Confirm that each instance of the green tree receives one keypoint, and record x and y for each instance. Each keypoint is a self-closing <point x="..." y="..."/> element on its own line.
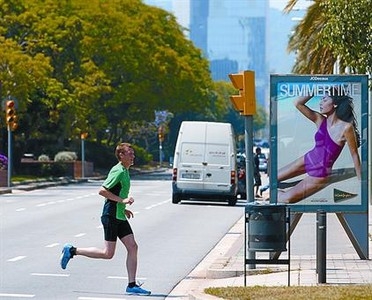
<point x="20" y="74"/>
<point x="99" y="67"/>
<point x="333" y="30"/>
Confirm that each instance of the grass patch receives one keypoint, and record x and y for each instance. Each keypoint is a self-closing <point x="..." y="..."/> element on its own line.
<point x="24" y="177"/>
<point x="326" y="292"/>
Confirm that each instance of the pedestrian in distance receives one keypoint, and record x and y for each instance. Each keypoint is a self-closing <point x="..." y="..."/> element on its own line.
<point x="115" y="215"/>
<point x="256" y="172"/>
<point x="336" y="126"/>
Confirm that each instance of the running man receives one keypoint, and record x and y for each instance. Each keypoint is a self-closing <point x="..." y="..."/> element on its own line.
<point x="114" y="218"/>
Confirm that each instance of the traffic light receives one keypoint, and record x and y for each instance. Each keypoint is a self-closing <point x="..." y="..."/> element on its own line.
<point x="161" y="134"/>
<point x="245" y="102"/>
<point x="84" y="135"/>
<point x="10" y="115"/>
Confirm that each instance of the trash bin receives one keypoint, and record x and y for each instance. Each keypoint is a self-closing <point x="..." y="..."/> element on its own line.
<point x="266" y="227"/>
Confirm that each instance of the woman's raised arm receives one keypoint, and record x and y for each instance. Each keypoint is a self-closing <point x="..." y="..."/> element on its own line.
<point x="312" y="115"/>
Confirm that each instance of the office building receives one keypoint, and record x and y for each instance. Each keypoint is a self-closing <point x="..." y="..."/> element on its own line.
<point x="237" y="35"/>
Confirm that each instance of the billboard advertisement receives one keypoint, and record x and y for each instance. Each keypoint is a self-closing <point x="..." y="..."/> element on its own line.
<point x="318" y="140"/>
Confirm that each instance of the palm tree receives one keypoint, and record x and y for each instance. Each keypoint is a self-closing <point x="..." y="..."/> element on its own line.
<point x="333" y="31"/>
<point x="313" y="56"/>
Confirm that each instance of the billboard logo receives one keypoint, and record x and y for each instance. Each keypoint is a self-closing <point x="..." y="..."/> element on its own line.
<point x="339" y="195"/>
<point x="319" y="78"/>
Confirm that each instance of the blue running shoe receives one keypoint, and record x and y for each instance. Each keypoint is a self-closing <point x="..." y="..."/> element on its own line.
<point x="66" y="255"/>
<point x="137" y="290"/>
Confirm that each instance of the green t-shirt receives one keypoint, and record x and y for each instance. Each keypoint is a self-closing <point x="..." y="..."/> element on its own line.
<point x="117" y="182"/>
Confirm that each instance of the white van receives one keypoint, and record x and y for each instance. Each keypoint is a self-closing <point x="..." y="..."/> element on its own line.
<point x="205" y="162"/>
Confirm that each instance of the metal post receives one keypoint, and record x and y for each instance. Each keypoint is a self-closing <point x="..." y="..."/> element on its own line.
<point x="248" y="128"/>
<point x="10" y="157"/>
<point x="245" y="248"/>
<point x="322" y="246"/>
<point x="160" y="153"/>
<point x="82" y="158"/>
<point x="369" y="167"/>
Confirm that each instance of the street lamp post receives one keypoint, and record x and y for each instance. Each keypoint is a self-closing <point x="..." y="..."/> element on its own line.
<point x="10" y="157"/>
<point x="83" y="138"/>
<point x="161" y="139"/>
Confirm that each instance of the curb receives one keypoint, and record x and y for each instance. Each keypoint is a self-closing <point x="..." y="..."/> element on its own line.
<point x="5" y="191"/>
<point x="196" y="295"/>
<point x="225" y="266"/>
<point x="40" y="184"/>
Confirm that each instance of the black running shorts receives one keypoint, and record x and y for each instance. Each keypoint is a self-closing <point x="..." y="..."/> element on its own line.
<point x="114" y="228"/>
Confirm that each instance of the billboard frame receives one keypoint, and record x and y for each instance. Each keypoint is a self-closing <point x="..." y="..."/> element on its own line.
<point x="279" y="84"/>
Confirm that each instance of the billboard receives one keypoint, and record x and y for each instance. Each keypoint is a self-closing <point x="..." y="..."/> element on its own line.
<point x="318" y="140"/>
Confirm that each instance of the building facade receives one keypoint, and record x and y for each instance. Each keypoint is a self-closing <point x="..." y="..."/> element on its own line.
<point x="237" y="35"/>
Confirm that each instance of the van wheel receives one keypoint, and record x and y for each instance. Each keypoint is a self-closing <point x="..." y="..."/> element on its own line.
<point x="176" y="198"/>
<point x="232" y="201"/>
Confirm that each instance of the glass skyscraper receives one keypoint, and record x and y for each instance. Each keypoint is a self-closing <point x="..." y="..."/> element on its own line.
<point x="232" y="36"/>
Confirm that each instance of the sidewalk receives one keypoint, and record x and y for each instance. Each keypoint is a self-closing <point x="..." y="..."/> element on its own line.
<point x="30" y="185"/>
<point x="224" y="265"/>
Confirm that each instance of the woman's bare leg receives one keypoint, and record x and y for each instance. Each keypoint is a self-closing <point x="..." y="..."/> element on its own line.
<point x="291" y="170"/>
<point x="305" y="188"/>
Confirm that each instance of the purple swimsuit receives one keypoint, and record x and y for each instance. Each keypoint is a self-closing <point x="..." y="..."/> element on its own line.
<point x="320" y="159"/>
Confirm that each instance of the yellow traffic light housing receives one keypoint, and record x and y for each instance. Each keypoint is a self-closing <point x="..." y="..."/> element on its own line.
<point x="161" y="133"/>
<point x="238" y="100"/>
<point x="245" y="102"/>
<point x="10" y="115"/>
<point x="84" y="135"/>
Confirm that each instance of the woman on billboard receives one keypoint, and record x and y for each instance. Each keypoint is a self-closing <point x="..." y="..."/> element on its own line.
<point x="336" y="123"/>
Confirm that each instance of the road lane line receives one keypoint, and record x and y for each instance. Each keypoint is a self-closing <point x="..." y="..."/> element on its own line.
<point x="96" y="298"/>
<point x="21" y="209"/>
<point x="52" y="245"/>
<point x="17" y="295"/>
<point x="50" y="275"/>
<point x="16" y="258"/>
<point x="139" y="279"/>
<point x="157" y="204"/>
<point x="80" y="234"/>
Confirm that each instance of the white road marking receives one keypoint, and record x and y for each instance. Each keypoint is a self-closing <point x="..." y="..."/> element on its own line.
<point x="139" y="279"/>
<point x="51" y="202"/>
<point x="50" y="275"/>
<point x="95" y="298"/>
<point x="17" y="295"/>
<point x="80" y="234"/>
<point x="16" y="258"/>
<point x="117" y="277"/>
<point x="52" y="245"/>
<point x="157" y="204"/>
